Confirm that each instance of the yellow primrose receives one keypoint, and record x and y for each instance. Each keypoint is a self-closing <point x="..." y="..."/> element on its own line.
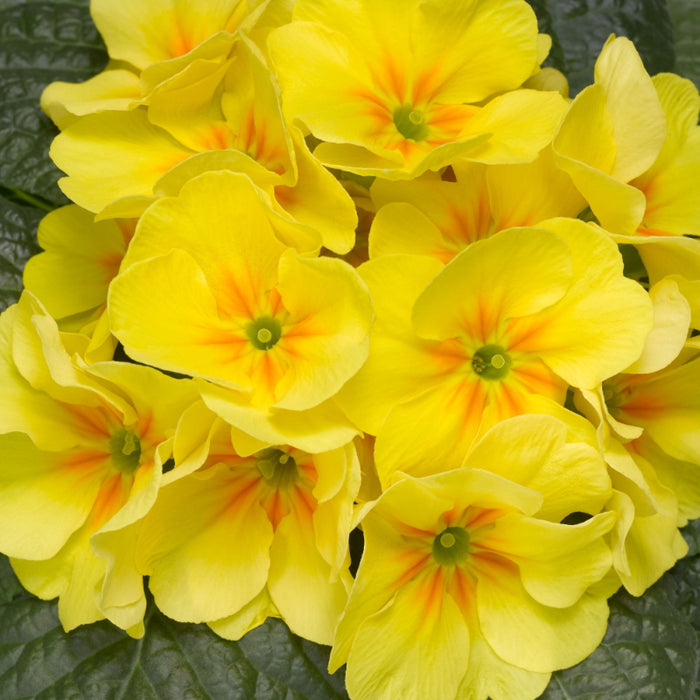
<point x="614" y="133"/>
<point x="436" y="217"/>
<point x="230" y="303"/>
<point x="654" y="492"/>
<point x="149" y="44"/>
<point x="289" y="514"/>
<point x="670" y="186"/>
<point x="645" y="540"/>
<point x="396" y="89"/>
<point x="82" y="453"/>
<point x="72" y="275"/>
<point x="503" y="329"/>
<point x="465" y="589"/>
<point x="225" y="119"/>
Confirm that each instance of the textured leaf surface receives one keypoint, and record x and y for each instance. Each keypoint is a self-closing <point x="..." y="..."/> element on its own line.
<point x="39" y="42"/>
<point x="686" y="24"/>
<point x="37" y="660"/>
<point x="579" y="28"/>
<point x="17" y="243"/>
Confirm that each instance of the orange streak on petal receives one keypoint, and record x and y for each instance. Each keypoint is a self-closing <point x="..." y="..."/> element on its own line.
<point x="461" y="588"/>
<point x="94" y="421"/>
<point x="429" y="593"/>
<point x="413" y="566"/>
<point x="536" y="378"/>
<point x="113" y="494"/>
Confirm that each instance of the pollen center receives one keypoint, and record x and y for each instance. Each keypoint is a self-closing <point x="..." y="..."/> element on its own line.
<point x="277" y="467"/>
<point x="410" y="123"/>
<point x="491" y="362"/>
<point x="125" y="448"/>
<point x="264" y="332"/>
<point x="451" y="546"/>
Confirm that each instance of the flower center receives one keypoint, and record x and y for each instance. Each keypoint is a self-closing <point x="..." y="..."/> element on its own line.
<point x="264" y="332"/>
<point x="125" y="448"/>
<point x="451" y="546"/>
<point x="410" y="123"/>
<point x="491" y="362"/>
<point x="277" y="467"/>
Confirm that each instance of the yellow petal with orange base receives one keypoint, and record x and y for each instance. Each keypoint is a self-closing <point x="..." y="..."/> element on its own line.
<point x="167" y="29"/>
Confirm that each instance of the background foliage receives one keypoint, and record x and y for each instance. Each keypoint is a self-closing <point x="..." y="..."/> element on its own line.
<point x="652" y="648"/>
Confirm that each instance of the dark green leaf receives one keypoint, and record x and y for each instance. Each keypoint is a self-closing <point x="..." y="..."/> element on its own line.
<point x="579" y="28"/>
<point x="39" y="42"/>
<point x="686" y="24"/>
<point x="17" y="243"/>
<point x="173" y="660"/>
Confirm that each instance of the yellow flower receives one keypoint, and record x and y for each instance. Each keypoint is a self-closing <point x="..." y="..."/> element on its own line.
<point x="393" y="88"/>
<point x="72" y="275"/>
<point x="228" y="118"/>
<point x="435" y="217"/>
<point x="655" y="490"/>
<point x="228" y="302"/>
<point x="82" y="453"/>
<point x="149" y="44"/>
<point x="465" y="589"/>
<point x="288" y="513"/>
<point x="631" y="144"/>
<point x="500" y="330"/>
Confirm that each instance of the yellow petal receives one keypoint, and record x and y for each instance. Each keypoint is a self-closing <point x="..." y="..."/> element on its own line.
<point x="115" y="89"/>
<point x="43" y="500"/>
<point x="634" y="108"/>
<point x="478" y="278"/>
<point x="556" y="638"/>
<point x="300" y="581"/>
<point x="112" y="155"/>
<point x="79" y="261"/>
<point x="195" y="575"/>
<point x="427" y="655"/>
<point x="670" y="331"/>
<point x="166" y="30"/>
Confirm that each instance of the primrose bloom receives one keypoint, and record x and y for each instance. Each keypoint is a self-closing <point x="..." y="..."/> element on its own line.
<point x="82" y="452"/>
<point x="149" y="44"/>
<point x="269" y="329"/>
<point x="288" y="514"/>
<point x="430" y="216"/>
<point x="631" y="144"/>
<point x="654" y="491"/>
<point x="392" y="88"/>
<point x="501" y="330"/>
<point x="466" y="587"/>
<point x="71" y="277"/>
<point x="226" y="119"/>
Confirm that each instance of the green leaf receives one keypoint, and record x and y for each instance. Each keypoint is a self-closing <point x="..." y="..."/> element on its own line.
<point x="686" y="24"/>
<point x="17" y="243"/>
<point x="39" y="42"/>
<point x="579" y="28"/>
<point x="173" y="660"/>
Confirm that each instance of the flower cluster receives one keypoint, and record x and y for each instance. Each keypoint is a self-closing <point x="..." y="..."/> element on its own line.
<point x="373" y="269"/>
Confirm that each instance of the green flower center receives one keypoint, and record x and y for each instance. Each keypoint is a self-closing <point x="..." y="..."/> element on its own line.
<point x="125" y="448"/>
<point x="264" y="332"/>
<point x="491" y="362"/>
<point x="410" y="123"/>
<point x="451" y="546"/>
<point x="277" y="467"/>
